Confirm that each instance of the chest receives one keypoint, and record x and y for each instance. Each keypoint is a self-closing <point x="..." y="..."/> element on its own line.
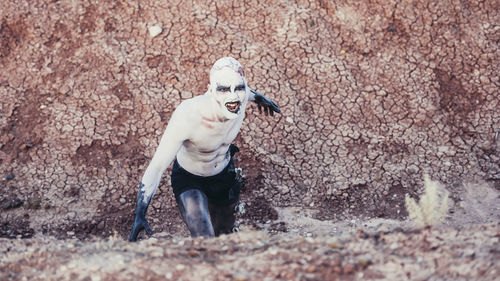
<point x="212" y="135"/>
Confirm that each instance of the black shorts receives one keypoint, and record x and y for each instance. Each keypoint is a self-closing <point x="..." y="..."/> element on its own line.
<point x="220" y="189"/>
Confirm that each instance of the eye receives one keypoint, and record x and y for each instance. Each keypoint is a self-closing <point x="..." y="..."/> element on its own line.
<point x="240" y="88"/>
<point x="223" y="89"/>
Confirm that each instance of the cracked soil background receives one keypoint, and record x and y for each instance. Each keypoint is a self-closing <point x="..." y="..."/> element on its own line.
<point x="373" y="95"/>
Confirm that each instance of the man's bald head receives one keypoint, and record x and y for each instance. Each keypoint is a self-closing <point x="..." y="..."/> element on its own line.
<point x="226" y="62"/>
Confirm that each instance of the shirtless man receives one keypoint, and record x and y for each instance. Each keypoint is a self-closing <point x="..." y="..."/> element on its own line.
<point x="199" y="136"/>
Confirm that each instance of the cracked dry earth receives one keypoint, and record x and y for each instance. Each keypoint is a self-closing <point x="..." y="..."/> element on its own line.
<point x="464" y="253"/>
<point x="373" y="95"/>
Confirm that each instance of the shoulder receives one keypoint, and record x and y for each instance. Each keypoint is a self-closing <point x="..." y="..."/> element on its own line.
<point x="194" y="102"/>
<point x="190" y="109"/>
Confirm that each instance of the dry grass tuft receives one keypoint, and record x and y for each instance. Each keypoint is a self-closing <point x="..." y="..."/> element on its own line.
<point x="431" y="207"/>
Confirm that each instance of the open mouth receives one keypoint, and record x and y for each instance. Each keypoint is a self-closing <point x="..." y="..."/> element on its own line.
<point x="233" y="106"/>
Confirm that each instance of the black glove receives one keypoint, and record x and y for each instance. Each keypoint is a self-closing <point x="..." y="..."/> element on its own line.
<point x="140" y="222"/>
<point x="264" y="103"/>
<point x="233" y="149"/>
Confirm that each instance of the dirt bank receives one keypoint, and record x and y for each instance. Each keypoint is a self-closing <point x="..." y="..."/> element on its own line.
<point x="463" y="253"/>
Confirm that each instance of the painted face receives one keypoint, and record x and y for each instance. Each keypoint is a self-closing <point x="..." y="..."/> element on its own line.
<point x="228" y="87"/>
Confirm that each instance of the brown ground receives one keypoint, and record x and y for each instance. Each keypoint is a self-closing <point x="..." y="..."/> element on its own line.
<point x="463" y="253"/>
<point x="373" y="94"/>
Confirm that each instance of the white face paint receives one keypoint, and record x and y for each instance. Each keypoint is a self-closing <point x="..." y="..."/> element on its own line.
<point x="228" y="87"/>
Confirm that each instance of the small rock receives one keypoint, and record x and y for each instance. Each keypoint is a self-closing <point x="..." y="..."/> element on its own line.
<point x="283" y="189"/>
<point x="364" y="262"/>
<point x="12" y="204"/>
<point x="10" y="177"/>
<point x="101" y="225"/>
<point x="193" y="253"/>
<point x="64" y="89"/>
<point x="155" y="30"/>
<point x="156" y="253"/>
<point x="349" y="268"/>
<point x="241" y="277"/>
<point x="311" y="269"/>
<point x="335" y="245"/>
<point x="186" y="95"/>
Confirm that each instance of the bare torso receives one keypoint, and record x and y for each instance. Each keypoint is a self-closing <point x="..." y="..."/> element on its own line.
<point x="198" y="137"/>
<point x="205" y="150"/>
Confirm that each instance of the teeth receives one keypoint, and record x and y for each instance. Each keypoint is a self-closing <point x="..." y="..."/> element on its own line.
<point x="232" y="106"/>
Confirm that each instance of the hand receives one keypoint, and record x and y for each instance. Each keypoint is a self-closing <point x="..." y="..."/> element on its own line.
<point x="264" y="103"/>
<point x="140" y="223"/>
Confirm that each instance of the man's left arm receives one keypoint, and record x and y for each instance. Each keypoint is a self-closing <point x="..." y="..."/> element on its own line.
<point x="263" y="103"/>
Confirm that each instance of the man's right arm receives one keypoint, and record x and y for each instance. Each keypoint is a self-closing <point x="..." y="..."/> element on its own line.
<point x="171" y="141"/>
